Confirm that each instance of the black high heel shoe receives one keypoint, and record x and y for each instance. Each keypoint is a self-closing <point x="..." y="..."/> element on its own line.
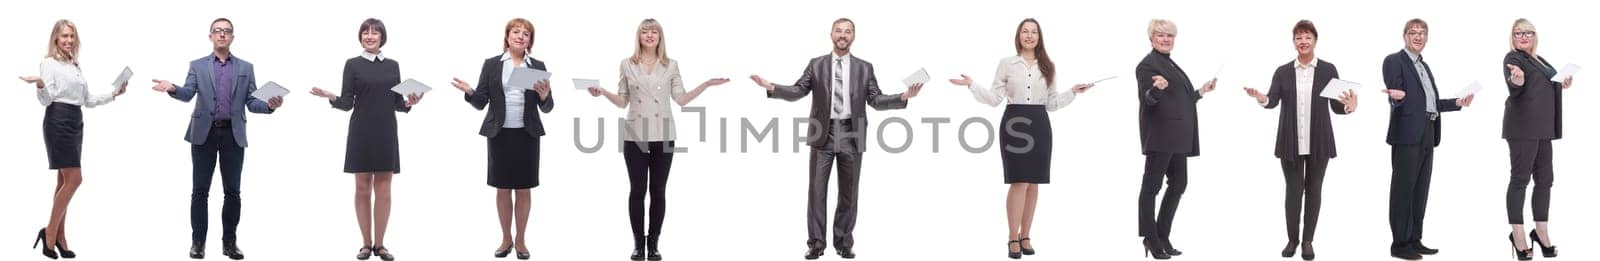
<point x="523" y="256"/>
<point x="1013" y="255"/>
<point x="364" y="253"/>
<point x="48" y="251"/>
<point x="502" y="253"/>
<point x="382" y="253"/>
<point x="1025" y="250"/>
<point x="68" y="254"/>
<point x="1549" y="251"/>
<point x="1521" y="254"/>
<point x="1152" y="248"/>
<point x="1288" y="250"/>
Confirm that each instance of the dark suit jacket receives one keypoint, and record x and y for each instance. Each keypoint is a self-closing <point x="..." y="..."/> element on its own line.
<point x="1407" y="116"/>
<point x="1533" y="110"/>
<point x="199" y="83"/>
<point x="815" y="81"/>
<point x="1167" y="119"/>
<point x="491" y="92"/>
<point x="1285" y="91"/>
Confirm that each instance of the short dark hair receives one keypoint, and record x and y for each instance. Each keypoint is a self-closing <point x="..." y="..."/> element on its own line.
<point x="845" y="20"/>
<point x="1414" y="22"/>
<point x="1305" y="26"/>
<point x="377" y="25"/>
<point x="213" y="22"/>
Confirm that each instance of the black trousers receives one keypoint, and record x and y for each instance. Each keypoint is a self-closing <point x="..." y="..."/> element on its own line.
<point x="219" y="143"/>
<point x="1408" y="190"/>
<point x="1529" y="159"/>
<point x="1302" y="177"/>
<point x="1176" y="170"/>
<point x="847" y="152"/>
<point x="648" y="166"/>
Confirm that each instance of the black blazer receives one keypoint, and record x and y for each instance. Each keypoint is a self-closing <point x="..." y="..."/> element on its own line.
<point x="491" y="92"/>
<point x="1285" y="90"/>
<point x="1407" y="116"/>
<point x="1533" y="111"/>
<point x="1167" y="119"/>
<point x="815" y="81"/>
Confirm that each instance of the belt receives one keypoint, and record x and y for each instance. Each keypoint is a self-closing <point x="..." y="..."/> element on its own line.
<point x="1433" y="116"/>
<point x="222" y="124"/>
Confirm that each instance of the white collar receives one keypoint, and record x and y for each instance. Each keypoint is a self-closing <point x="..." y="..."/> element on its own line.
<point x="507" y="57"/>
<point x="1415" y="57"/>
<point x="836" y="57"/>
<point x="375" y="57"/>
<point x="1298" y="65"/>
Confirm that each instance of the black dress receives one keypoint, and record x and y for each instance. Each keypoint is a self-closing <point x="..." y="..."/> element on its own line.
<point x="372" y="145"/>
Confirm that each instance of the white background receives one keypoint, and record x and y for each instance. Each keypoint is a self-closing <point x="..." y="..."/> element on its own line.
<point x="750" y="206"/>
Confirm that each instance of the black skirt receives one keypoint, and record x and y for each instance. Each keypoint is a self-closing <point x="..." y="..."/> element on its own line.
<point x="513" y="160"/>
<point x="1025" y="161"/>
<point x="63" y="135"/>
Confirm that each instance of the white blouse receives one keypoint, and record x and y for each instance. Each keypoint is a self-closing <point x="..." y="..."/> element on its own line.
<point x="1018" y="82"/>
<point x="649" y="98"/>
<point x="64" y="83"/>
<point x="515" y="100"/>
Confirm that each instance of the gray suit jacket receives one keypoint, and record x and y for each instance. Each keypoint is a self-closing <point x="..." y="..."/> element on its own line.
<point x="200" y="82"/>
<point x="815" y="81"/>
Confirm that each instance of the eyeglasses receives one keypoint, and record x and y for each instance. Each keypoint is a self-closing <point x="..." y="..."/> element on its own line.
<point x="1523" y="34"/>
<point x="227" y="31"/>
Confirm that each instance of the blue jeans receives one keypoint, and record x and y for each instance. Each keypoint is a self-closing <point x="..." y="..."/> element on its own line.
<point x="220" y="143"/>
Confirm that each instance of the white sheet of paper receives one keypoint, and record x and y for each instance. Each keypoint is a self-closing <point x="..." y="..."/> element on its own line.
<point x="1469" y="90"/>
<point x="1103" y="79"/>
<point x="1566" y="71"/>
<point x="270" y="90"/>
<point x="525" y="78"/>
<point x="1337" y="87"/>
<point x="1219" y="70"/>
<point x="411" y="86"/>
<point x="921" y="76"/>
<point x="585" y="84"/>
<point x="127" y="74"/>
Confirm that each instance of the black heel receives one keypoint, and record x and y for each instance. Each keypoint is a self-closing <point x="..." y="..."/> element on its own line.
<point x="502" y="253"/>
<point x="1288" y="250"/>
<point x="382" y="253"/>
<point x="1013" y="255"/>
<point x="1152" y="248"/>
<point x="1025" y="250"/>
<point x="1549" y="251"/>
<point x="68" y="254"/>
<point x="364" y="253"/>
<point x="1520" y="254"/>
<point x="49" y="252"/>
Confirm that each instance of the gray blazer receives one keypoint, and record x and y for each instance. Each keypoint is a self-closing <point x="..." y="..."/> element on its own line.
<point x="814" y="81"/>
<point x="199" y="82"/>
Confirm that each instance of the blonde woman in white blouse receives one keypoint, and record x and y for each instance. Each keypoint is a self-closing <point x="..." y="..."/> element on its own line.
<point x="1027" y="83"/>
<point x="649" y="84"/>
<point x="62" y="90"/>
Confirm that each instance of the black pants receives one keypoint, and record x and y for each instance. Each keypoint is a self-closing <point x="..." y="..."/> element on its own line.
<point x="1529" y="159"/>
<point x="1176" y="170"/>
<point x="1408" y="190"/>
<point x="219" y="143"/>
<point x="1302" y="176"/>
<point x="848" y="154"/>
<point x="648" y="165"/>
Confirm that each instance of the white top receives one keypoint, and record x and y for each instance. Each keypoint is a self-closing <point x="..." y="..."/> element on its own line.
<point x="1304" y="75"/>
<point x="841" y="74"/>
<point x="649" y="98"/>
<point x="515" y="99"/>
<point x="63" y="83"/>
<point x="1020" y="82"/>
